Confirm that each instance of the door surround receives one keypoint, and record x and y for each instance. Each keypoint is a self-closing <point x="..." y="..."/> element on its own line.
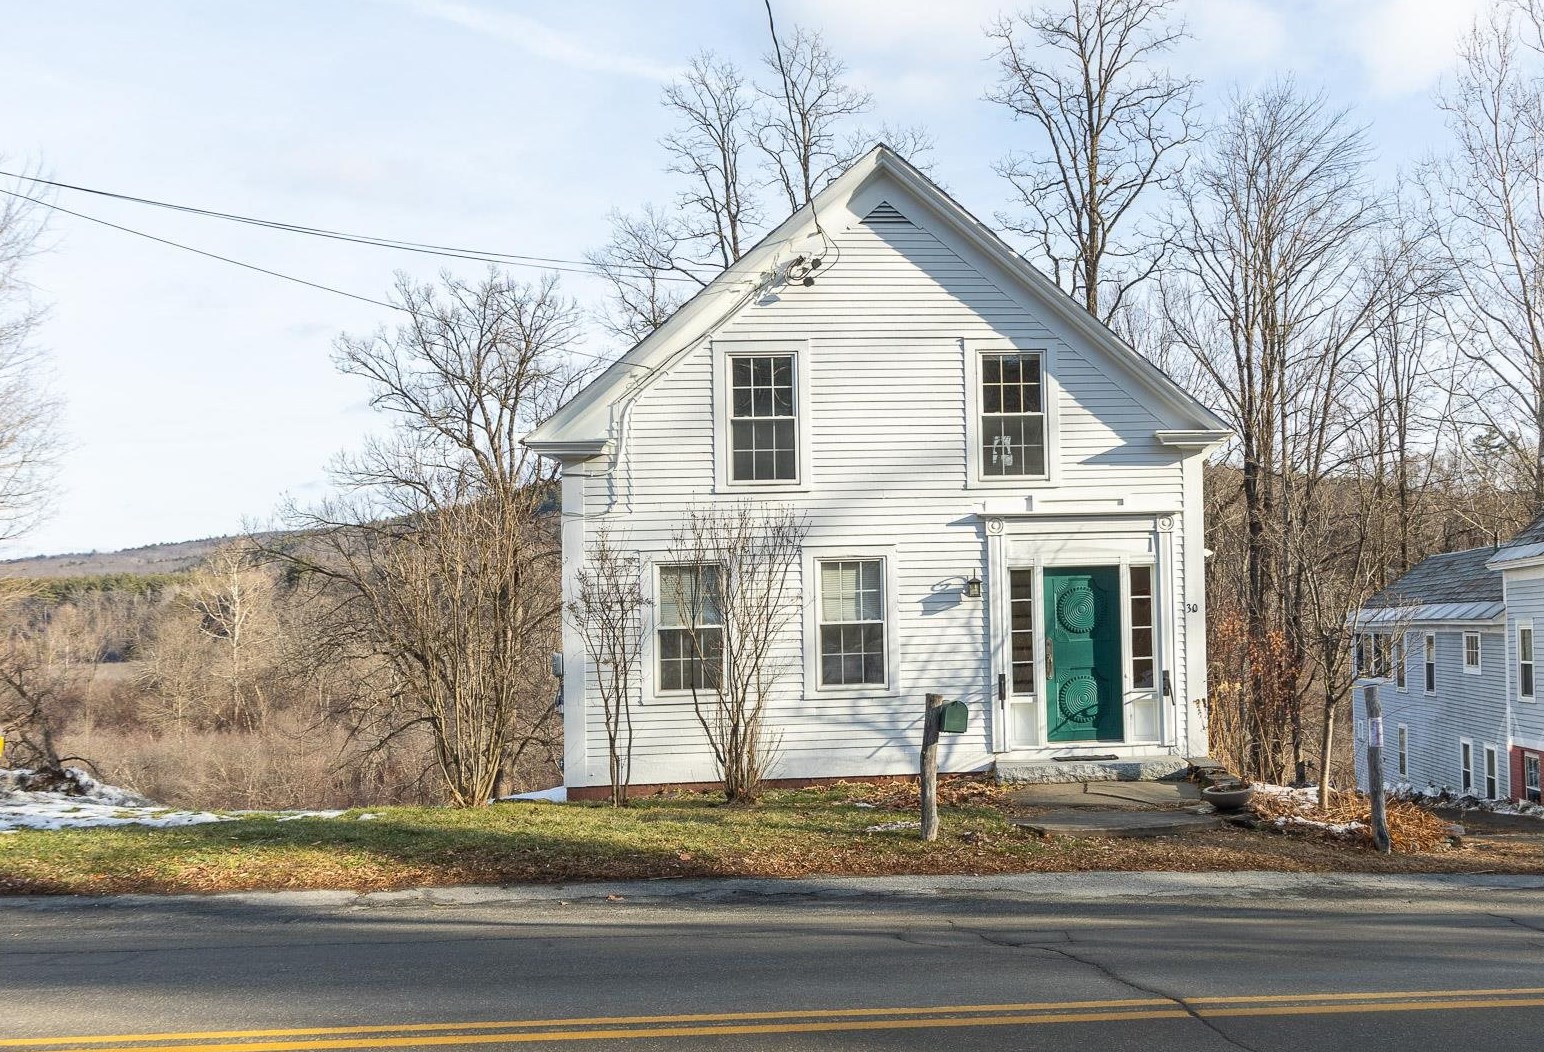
<point x="1041" y="541"/>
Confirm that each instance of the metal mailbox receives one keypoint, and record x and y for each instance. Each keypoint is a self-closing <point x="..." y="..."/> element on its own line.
<point x="953" y="717"/>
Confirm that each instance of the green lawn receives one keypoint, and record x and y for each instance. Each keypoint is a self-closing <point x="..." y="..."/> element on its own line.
<point x="789" y="834"/>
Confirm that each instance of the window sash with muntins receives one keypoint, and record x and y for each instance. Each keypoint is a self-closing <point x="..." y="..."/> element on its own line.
<point x="1404" y="750"/>
<point x="1471" y="651"/>
<point x="763" y="419"/>
<point x="1525" y="662"/>
<point x="1431" y="663"/>
<point x="852" y="622"/>
<point x="1013" y="426"/>
<point x="1399" y="661"/>
<point x="1531" y="777"/>
<point x="690" y="628"/>
<point x="1143" y="676"/>
<point x="1465" y="767"/>
<point x="1491" y="784"/>
<point x="1021" y="624"/>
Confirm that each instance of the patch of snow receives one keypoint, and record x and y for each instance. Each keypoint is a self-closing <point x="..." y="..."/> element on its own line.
<point x="1338" y="828"/>
<point x="893" y="827"/>
<point x="1464" y="801"/>
<point x="865" y="805"/>
<point x="290" y="816"/>
<point x="367" y="818"/>
<point x="556" y="795"/>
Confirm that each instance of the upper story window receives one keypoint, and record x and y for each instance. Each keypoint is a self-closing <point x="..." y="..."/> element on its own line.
<point x="690" y="628"/>
<point x="1472" y="653"/>
<point x="1525" y="661"/>
<point x="1430" y="663"/>
<point x="1013" y="430"/>
<point x="763" y="419"/>
<point x="1398" y="658"/>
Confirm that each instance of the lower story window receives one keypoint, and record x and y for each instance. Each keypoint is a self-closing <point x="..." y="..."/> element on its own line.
<point x="1142" y="677"/>
<point x="1465" y="767"/>
<point x="1531" y="777"/>
<point x="1491" y="788"/>
<point x="852" y="622"/>
<point x="691" y="628"/>
<point x="1021" y="614"/>
<point x="1404" y="751"/>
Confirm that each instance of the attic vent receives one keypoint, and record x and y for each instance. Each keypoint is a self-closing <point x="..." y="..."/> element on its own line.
<point x="885" y="214"/>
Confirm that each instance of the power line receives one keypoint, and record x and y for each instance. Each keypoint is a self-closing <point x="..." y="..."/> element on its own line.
<point x="572" y="266"/>
<point x="254" y="267"/>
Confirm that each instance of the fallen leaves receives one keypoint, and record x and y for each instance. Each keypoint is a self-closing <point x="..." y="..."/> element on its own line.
<point x="1348" y="815"/>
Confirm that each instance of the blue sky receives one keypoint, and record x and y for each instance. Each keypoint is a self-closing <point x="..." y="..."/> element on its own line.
<point x="198" y="394"/>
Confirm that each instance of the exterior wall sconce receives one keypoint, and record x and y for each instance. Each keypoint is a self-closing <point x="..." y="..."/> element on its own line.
<point x="973" y="587"/>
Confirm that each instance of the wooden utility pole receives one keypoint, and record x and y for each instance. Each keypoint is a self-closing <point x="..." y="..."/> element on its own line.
<point x="930" y="720"/>
<point x="1380" y="818"/>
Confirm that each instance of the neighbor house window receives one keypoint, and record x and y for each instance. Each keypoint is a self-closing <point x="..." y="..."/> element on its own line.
<point x="1403" y="738"/>
<point x="1021" y="602"/>
<point x="1525" y="661"/>
<point x="1142" y="677"/>
<point x="1012" y="416"/>
<point x="1399" y="661"/>
<point x="1531" y="777"/>
<point x="1431" y="663"/>
<point x="1490" y="773"/>
<point x="852" y="622"/>
<point x="1465" y="767"/>
<point x="691" y="628"/>
<point x="1471" y="652"/>
<point x="763" y="419"/>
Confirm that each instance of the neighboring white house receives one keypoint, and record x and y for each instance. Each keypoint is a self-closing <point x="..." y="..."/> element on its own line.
<point x="950" y="423"/>
<point x="1449" y="650"/>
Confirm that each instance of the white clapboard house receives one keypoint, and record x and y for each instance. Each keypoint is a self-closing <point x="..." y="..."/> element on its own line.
<point x="1004" y="501"/>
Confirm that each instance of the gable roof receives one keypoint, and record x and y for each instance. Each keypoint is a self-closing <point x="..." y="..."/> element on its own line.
<point x="1456" y="586"/>
<point x="583" y="426"/>
<point x="1526" y="548"/>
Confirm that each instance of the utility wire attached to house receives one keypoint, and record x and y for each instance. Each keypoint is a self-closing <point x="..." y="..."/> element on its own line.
<point x="255" y="267"/>
<point x="574" y="266"/>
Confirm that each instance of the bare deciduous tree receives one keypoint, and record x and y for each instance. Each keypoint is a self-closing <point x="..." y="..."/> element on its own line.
<point x="1266" y="293"/>
<point x="1113" y="127"/>
<point x="441" y="563"/>
<point x="735" y="608"/>
<point x="713" y="105"/>
<point x="1491" y="204"/>
<point x="29" y="436"/>
<point x="608" y="611"/>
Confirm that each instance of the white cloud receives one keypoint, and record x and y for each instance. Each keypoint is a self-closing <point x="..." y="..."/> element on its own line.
<point x="1405" y="45"/>
<point x="539" y="40"/>
<point x="1229" y="37"/>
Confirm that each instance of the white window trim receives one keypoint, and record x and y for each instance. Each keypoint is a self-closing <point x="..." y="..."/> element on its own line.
<point x="1479" y="654"/>
<point x="1399" y="654"/>
<point x="723" y="351"/>
<point x="1461" y="770"/>
<point x="1402" y="750"/>
<point x="1050" y="393"/>
<point x="1130" y="689"/>
<point x="814" y="554"/>
<point x="1491" y="762"/>
<point x="649" y="690"/>
<point x="1517" y="665"/>
<point x="1429" y="638"/>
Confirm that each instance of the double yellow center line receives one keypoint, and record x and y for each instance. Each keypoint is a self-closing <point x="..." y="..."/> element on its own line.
<point x="526" y="1031"/>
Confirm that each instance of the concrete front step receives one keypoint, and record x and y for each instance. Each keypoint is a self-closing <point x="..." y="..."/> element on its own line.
<point x="1127" y="769"/>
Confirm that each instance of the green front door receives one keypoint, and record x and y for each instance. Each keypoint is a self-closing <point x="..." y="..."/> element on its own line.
<point x="1082" y="654"/>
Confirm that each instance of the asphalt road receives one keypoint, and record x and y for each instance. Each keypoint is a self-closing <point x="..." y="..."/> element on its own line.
<point x="1048" y="962"/>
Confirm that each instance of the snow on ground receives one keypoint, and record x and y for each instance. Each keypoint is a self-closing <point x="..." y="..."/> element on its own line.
<point x="1432" y="794"/>
<point x="556" y="795"/>
<point x="95" y="804"/>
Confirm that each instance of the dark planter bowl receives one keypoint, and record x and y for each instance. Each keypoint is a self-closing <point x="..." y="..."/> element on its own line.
<point x="1227" y="796"/>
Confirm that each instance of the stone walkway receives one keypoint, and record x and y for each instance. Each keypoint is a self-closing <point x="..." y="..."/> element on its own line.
<point x="1113" y="809"/>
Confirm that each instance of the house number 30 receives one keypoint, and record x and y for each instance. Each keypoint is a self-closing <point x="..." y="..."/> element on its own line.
<point x="1194" y="608"/>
